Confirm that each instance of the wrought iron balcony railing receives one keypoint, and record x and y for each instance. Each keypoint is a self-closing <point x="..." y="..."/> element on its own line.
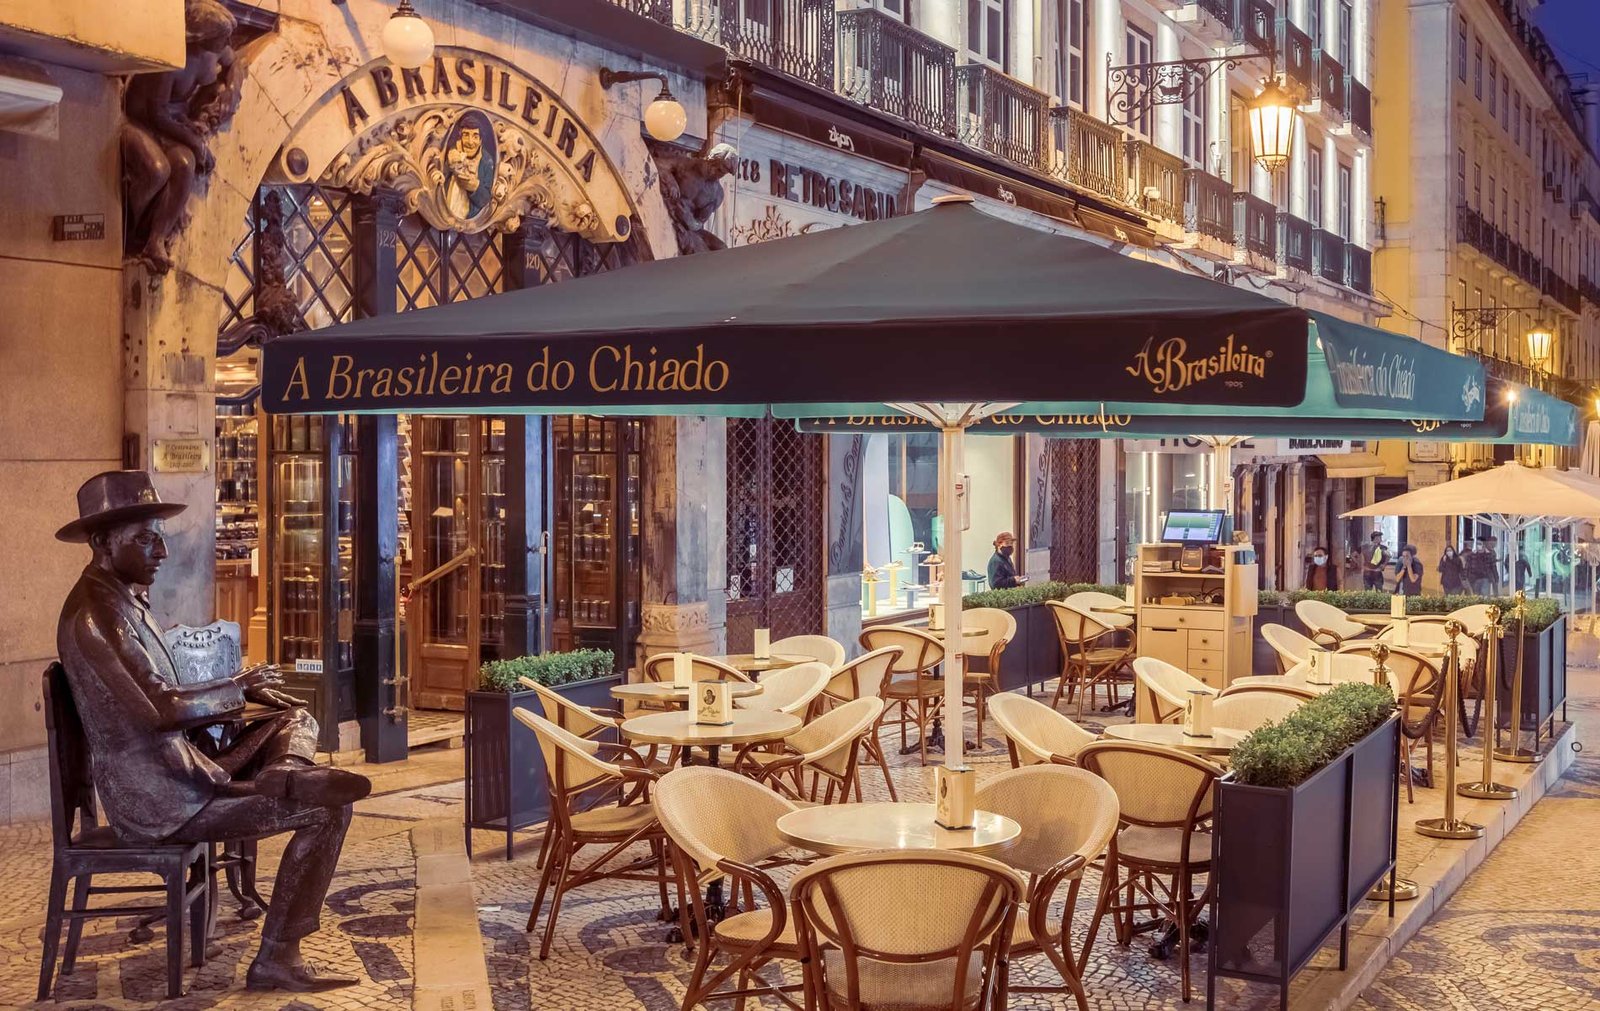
<point x="1294" y="241"/>
<point x="886" y="64"/>
<point x="1328" y="249"/>
<point x="1155" y="180"/>
<point x="1255" y="224"/>
<point x="1358" y="268"/>
<point x="1087" y="153"/>
<point x="1298" y="68"/>
<point x="1207" y="204"/>
<point x="1331" y="82"/>
<point x="795" y="37"/>
<point x="1360" y="107"/>
<point x="1000" y="114"/>
<point x="1222" y="10"/>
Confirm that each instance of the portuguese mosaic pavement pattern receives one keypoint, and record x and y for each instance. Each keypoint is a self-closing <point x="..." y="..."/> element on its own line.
<point x="1522" y="934"/>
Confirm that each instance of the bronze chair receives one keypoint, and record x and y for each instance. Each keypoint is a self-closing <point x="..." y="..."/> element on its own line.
<point x="82" y="848"/>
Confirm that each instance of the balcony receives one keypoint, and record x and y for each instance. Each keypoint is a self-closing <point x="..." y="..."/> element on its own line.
<point x="1254" y="224"/>
<point x="1212" y="21"/>
<point x="889" y="66"/>
<point x="1255" y="23"/>
<point x="1358" y="268"/>
<point x="1294" y="242"/>
<point x="1558" y="288"/>
<point x="1207" y="205"/>
<point x="1469" y="225"/>
<point x="1001" y="115"/>
<point x="1328" y="249"/>
<point x="1087" y="153"/>
<point x="1156" y="180"/>
<point x="1361" y="108"/>
<point x="1331" y="84"/>
<point x="1297" y="62"/>
<point x="792" y="36"/>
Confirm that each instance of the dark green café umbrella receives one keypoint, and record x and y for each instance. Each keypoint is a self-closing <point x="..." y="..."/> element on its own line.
<point x="949" y="315"/>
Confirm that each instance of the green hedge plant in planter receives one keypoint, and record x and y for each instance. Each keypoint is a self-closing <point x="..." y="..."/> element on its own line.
<point x="506" y="788"/>
<point x="1034" y="656"/>
<point x="1305" y="825"/>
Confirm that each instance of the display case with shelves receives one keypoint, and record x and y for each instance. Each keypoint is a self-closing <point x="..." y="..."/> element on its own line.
<point x="596" y="582"/>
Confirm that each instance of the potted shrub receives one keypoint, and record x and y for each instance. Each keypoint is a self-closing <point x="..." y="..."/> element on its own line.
<point x="1305" y="827"/>
<point x="505" y="784"/>
<point x="1034" y="656"/>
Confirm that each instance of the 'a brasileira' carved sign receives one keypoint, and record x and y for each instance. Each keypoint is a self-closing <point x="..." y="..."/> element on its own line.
<point x="469" y="142"/>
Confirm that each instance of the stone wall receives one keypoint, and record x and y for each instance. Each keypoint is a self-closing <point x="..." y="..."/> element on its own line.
<point x="61" y="391"/>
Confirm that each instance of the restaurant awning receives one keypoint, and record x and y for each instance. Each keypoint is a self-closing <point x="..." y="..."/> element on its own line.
<point x="793" y="116"/>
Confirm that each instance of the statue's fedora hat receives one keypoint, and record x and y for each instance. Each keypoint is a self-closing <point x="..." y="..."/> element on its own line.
<point x="116" y="496"/>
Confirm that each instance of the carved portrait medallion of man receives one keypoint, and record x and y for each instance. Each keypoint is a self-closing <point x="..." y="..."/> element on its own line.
<point x="470" y="158"/>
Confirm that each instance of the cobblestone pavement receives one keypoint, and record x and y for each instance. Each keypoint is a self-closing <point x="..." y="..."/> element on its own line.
<point x="1523" y="932"/>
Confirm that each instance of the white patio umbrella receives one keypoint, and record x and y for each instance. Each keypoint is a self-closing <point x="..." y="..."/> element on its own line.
<point x="1590" y="462"/>
<point x="1510" y="496"/>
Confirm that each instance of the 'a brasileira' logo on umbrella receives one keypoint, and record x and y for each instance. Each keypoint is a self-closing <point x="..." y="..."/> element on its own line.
<point x="1168" y="368"/>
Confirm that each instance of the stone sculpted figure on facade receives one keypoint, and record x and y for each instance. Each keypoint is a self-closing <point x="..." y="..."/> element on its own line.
<point x="170" y="119"/>
<point x="159" y="775"/>
<point x="691" y="187"/>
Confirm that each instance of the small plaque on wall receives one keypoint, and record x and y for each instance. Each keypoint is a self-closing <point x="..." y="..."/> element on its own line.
<point x="77" y="227"/>
<point x="179" y="456"/>
<point x="1430" y="452"/>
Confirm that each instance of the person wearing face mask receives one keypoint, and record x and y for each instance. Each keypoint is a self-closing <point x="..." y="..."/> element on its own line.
<point x="1452" y="571"/>
<point x="1408" y="572"/>
<point x="1002" y="571"/>
<point x="1321" y="573"/>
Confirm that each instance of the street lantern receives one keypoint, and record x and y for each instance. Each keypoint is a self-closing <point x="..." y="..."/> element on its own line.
<point x="665" y="118"/>
<point x="1539" y="342"/>
<point x="407" y="38"/>
<point x="1272" y="126"/>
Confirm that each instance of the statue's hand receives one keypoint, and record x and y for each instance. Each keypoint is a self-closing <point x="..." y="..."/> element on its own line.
<point x="261" y="675"/>
<point x="269" y="697"/>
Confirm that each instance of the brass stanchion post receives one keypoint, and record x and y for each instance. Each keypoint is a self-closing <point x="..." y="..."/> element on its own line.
<point x="1449" y="827"/>
<point x="1487" y="788"/>
<point x="1404" y="889"/>
<point x="1516" y="752"/>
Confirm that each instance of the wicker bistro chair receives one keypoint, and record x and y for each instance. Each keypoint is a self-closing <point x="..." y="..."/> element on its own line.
<point x="1108" y="604"/>
<point x="701" y="668"/>
<point x="1286" y="685"/>
<point x="864" y="678"/>
<point x="1087" y="661"/>
<point x="827" y="749"/>
<point x="573" y="767"/>
<point x="721" y="824"/>
<point x="1418" y="693"/>
<point x="906" y="930"/>
<point x="912" y="688"/>
<point x="1329" y="626"/>
<point x="82" y="848"/>
<point x="1165" y="795"/>
<point x="1035" y="733"/>
<point x="1431" y="631"/>
<point x="1068" y="817"/>
<point x="999" y="628"/>
<point x="1250" y="710"/>
<point x="1163" y="690"/>
<point x="817" y="647"/>
<point x="790" y="690"/>
<point x="1289" y="646"/>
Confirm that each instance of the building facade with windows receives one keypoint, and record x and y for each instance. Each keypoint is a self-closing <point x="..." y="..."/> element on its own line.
<point x="1487" y="183"/>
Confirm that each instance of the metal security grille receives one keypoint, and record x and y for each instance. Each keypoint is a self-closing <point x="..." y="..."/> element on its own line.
<point x="436" y="268"/>
<point x="239" y="287"/>
<point x="319" y="227"/>
<point x="1075" y="510"/>
<point x="775" y="517"/>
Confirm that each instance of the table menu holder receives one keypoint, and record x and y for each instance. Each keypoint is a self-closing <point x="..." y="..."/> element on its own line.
<point x="713" y="703"/>
<point x="763" y="644"/>
<point x="954" y="791"/>
<point x="682" y="670"/>
<point x="1197" y="713"/>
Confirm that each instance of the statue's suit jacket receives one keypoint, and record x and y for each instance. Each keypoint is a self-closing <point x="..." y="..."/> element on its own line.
<point x="150" y="777"/>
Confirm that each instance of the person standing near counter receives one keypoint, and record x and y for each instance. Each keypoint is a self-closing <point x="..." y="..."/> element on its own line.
<point x="1002" y="571"/>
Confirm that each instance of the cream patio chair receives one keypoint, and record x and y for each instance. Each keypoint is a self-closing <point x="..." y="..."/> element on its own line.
<point x="1328" y="625"/>
<point x="1418" y="693"/>
<point x="827" y="748"/>
<point x="1250" y="710"/>
<point x="1163" y="690"/>
<point x="864" y="678"/>
<point x="1165" y="796"/>
<point x="1068" y="817"/>
<point x="1035" y="733"/>
<point x="701" y="668"/>
<point x="998" y="628"/>
<point x="912" y="687"/>
<point x="817" y="647"/>
<point x="1288" y="646"/>
<point x="573" y="767"/>
<point x="789" y="690"/>
<point x="722" y="824"/>
<point x="1087" y="661"/>
<point x="1474" y="617"/>
<point x="906" y="930"/>
<point x="1272" y="684"/>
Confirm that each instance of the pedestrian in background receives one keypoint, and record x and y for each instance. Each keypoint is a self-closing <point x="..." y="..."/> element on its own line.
<point x="1408" y="572"/>
<point x="1452" y="571"/>
<point x="1374" y="562"/>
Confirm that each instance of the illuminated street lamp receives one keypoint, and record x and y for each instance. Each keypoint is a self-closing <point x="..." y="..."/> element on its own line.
<point x="1539" y="343"/>
<point x="407" y="38"/>
<point x="1272" y="126"/>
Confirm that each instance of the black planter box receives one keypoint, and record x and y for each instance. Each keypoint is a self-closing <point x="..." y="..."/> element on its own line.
<point x="1291" y="864"/>
<point x="1033" y="657"/>
<point x="1544" y="675"/>
<point x="506" y="788"/>
<point x="1263" y="660"/>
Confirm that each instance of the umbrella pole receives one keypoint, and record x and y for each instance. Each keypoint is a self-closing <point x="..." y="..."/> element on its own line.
<point x="951" y="497"/>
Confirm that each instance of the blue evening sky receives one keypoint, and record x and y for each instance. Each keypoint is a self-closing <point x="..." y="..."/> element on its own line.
<point x="1572" y="28"/>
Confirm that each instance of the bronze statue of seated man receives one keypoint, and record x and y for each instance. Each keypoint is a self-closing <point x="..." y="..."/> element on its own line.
<point x="156" y="783"/>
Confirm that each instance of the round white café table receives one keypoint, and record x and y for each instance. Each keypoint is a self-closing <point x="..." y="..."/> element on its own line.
<point x="749" y="663"/>
<point x="1171" y="735"/>
<point x="666" y="691"/>
<point x="851" y="828"/>
<point x="678" y="729"/>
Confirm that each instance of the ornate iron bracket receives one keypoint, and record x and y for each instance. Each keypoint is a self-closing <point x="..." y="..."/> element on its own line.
<point x="1468" y="326"/>
<point x="1133" y="89"/>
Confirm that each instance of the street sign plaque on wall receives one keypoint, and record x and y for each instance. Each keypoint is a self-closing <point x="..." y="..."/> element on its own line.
<point x="179" y="456"/>
<point x="77" y="227"/>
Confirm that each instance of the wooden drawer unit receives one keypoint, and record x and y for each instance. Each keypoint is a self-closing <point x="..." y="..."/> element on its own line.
<point x="1168" y="644"/>
<point x="1209" y="666"/>
<point x="1183" y="617"/>
<point x="1206" y="638"/>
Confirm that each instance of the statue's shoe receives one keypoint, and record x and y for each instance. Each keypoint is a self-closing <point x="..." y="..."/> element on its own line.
<point x="298" y="978"/>
<point x="312" y="784"/>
